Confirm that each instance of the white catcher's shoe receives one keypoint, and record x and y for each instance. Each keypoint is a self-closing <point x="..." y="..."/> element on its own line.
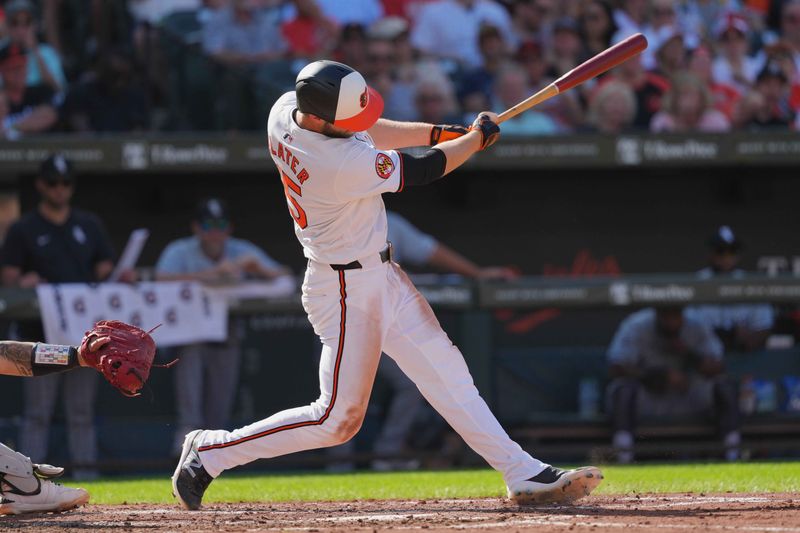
<point x="49" y="498"/>
<point x="554" y="485"/>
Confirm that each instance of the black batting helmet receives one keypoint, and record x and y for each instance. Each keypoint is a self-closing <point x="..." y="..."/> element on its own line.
<point x="338" y="94"/>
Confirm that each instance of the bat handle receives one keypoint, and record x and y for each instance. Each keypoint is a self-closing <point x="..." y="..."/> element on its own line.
<point x="544" y="94"/>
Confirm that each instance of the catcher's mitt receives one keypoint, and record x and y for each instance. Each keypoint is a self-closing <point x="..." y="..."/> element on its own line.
<point x="121" y="352"/>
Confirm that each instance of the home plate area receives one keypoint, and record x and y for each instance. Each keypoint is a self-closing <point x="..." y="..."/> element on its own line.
<point x="657" y="512"/>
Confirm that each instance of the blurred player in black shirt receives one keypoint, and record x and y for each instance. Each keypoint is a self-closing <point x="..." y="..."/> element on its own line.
<point x="57" y="244"/>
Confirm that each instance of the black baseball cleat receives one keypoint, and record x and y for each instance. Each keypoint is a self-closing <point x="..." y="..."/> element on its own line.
<point x="553" y="485"/>
<point x="190" y="480"/>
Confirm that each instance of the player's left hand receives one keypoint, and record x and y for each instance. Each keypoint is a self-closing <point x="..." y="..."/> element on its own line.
<point x="446" y="132"/>
<point x="487" y="126"/>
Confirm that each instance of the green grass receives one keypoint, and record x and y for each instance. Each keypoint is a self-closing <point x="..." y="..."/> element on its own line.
<point x="715" y="477"/>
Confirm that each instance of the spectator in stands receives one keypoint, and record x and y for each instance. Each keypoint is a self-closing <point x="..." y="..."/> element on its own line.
<point x="741" y="327"/>
<point x="612" y="109"/>
<point x="152" y="12"/>
<point x="57" y="244"/>
<point x="363" y="12"/>
<point x="781" y="54"/>
<point x="311" y="33"/>
<point x="78" y="30"/>
<point x="767" y="105"/>
<point x="670" y="53"/>
<point x="30" y="109"/>
<point x="110" y="100"/>
<point x="205" y="383"/>
<point x="597" y="27"/>
<point x="494" y="56"/>
<point x="241" y="35"/>
<point x="397" y="31"/>
<point x="248" y="41"/>
<point x="529" y="22"/>
<point x="396" y="88"/>
<point x="699" y="17"/>
<point x="352" y="47"/>
<point x="666" y="364"/>
<point x="662" y="22"/>
<point x="688" y="106"/>
<point x="510" y="88"/>
<point x="630" y="17"/>
<point x="733" y="65"/>
<point x="449" y="28"/>
<point x="530" y="56"/>
<point x="725" y="96"/>
<point x="566" y="47"/>
<point x="648" y="87"/>
<point x="44" y="63"/>
<point x="790" y="28"/>
<point x="435" y="102"/>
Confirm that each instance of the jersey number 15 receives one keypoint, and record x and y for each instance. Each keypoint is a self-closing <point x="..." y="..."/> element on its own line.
<point x="298" y="215"/>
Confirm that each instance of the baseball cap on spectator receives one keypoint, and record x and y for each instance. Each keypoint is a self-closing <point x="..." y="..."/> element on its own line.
<point x="12" y="55"/>
<point x="212" y="213"/>
<point x="387" y="28"/>
<point x="731" y="21"/>
<point x="19" y="6"/>
<point x="772" y="70"/>
<point x="211" y="209"/>
<point x="724" y="239"/>
<point x="56" y="168"/>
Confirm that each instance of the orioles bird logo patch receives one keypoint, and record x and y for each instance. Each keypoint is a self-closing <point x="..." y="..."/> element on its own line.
<point x="363" y="99"/>
<point x="384" y="166"/>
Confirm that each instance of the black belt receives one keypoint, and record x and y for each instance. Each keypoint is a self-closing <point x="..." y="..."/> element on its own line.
<point x="385" y="255"/>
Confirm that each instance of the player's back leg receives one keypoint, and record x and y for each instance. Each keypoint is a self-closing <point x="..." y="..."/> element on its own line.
<point x="423" y="351"/>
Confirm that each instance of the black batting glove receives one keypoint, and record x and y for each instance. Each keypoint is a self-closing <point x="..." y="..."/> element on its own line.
<point x="490" y="131"/>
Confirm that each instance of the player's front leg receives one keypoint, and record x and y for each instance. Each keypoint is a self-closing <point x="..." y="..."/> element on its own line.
<point x="423" y="351"/>
<point x="350" y="354"/>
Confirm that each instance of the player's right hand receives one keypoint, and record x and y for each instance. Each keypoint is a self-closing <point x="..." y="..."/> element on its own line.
<point x="488" y="128"/>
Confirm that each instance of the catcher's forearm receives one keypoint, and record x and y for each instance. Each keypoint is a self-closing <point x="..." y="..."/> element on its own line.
<point x="36" y="359"/>
<point x="15" y="358"/>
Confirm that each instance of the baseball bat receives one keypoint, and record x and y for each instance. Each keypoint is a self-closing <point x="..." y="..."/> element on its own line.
<point x="602" y="62"/>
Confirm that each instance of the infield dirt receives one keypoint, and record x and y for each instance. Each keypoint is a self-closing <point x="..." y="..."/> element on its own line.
<point x="660" y="512"/>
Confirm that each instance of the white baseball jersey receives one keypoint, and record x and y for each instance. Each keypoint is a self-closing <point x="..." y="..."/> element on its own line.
<point x="333" y="186"/>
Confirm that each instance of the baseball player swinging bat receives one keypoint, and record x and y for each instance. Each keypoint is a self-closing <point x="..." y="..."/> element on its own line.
<point x="602" y="62"/>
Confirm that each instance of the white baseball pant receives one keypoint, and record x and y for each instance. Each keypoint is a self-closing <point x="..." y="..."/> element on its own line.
<point x="357" y="313"/>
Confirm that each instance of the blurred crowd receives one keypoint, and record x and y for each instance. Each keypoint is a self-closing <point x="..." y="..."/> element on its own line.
<point x="97" y="66"/>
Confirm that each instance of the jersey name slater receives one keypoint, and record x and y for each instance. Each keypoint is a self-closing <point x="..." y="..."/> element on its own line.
<point x="333" y="186"/>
